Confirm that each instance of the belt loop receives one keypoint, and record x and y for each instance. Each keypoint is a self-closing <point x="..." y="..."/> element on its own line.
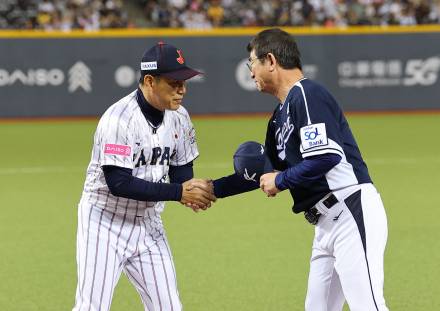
<point x="330" y="201"/>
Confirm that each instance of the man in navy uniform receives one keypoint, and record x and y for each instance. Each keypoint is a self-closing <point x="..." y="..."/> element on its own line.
<point x="311" y="147"/>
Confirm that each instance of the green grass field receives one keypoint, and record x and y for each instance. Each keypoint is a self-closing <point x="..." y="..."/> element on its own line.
<point x="247" y="252"/>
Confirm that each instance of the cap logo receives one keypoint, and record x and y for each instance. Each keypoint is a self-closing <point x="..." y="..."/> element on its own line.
<point x="180" y="59"/>
<point x="148" y="65"/>
<point x="249" y="177"/>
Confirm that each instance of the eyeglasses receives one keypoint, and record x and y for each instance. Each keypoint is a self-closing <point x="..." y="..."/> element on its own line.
<point x="250" y="62"/>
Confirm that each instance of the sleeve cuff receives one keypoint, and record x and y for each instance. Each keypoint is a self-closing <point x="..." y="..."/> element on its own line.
<point x="218" y="190"/>
<point x="279" y="181"/>
<point x="179" y="190"/>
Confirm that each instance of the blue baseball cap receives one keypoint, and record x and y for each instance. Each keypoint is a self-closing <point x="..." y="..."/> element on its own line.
<point x="166" y="60"/>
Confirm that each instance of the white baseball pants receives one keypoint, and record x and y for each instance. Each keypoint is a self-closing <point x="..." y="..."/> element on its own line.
<point x="109" y="243"/>
<point x="347" y="254"/>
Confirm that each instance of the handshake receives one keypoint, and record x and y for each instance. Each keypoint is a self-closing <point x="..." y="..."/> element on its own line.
<point x="198" y="194"/>
<point x="250" y="162"/>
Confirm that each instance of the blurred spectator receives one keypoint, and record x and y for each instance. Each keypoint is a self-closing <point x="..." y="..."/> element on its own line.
<point x="308" y="14"/>
<point x="202" y="14"/>
<point x="195" y="17"/>
<point x="422" y="11"/>
<point x="434" y="15"/>
<point x="407" y="16"/>
<point x="215" y="13"/>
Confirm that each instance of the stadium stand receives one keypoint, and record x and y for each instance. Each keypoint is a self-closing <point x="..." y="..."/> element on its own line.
<point x="62" y="14"/>
<point x="202" y="14"/>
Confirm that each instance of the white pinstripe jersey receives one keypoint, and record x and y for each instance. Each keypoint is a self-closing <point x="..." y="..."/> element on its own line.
<point x="125" y="138"/>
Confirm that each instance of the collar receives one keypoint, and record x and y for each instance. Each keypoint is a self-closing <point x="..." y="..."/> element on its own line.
<point x="153" y="115"/>
<point x="289" y="95"/>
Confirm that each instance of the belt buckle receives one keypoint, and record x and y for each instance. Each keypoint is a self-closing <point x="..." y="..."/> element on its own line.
<point x="312" y="215"/>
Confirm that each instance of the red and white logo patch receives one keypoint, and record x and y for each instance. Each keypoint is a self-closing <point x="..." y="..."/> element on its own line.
<point x="180" y="59"/>
<point x="121" y="150"/>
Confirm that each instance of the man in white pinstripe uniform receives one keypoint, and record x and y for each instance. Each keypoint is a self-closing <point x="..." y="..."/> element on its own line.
<point x="143" y="141"/>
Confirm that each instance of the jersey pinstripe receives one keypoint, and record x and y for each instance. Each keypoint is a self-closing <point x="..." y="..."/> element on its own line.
<point x="125" y="138"/>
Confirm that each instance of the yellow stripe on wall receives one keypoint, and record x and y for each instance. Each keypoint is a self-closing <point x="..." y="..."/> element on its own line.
<point x="220" y="32"/>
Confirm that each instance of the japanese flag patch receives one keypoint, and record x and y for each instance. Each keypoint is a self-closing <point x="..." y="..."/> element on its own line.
<point x="313" y="135"/>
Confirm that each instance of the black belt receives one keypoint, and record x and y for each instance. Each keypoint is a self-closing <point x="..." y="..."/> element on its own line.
<point x="312" y="215"/>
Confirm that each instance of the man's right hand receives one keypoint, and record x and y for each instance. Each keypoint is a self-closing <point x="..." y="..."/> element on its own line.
<point x="198" y="194"/>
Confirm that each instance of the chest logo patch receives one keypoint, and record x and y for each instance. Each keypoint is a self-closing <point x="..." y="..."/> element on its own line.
<point x="313" y="135"/>
<point x="114" y="149"/>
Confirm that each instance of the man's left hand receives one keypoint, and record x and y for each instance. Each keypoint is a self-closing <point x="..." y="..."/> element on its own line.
<point x="267" y="184"/>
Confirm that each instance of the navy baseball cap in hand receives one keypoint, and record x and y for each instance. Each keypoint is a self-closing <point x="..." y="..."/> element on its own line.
<point x="166" y="60"/>
<point x="250" y="161"/>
